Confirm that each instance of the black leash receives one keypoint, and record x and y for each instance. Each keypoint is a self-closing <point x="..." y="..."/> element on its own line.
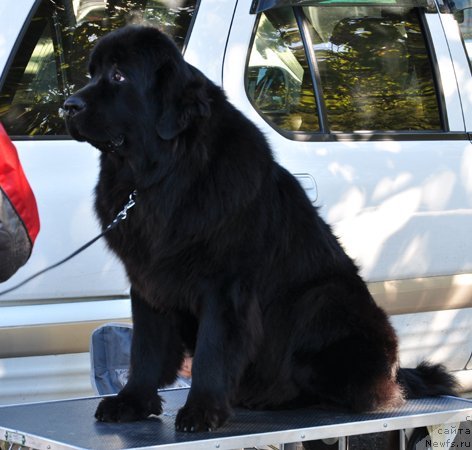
<point x="122" y="215"/>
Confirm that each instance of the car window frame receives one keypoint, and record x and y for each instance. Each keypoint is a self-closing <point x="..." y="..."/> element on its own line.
<point x="450" y="8"/>
<point x="445" y="133"/>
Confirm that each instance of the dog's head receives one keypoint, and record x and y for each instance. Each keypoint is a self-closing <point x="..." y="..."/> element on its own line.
<point x="140" y="90"/>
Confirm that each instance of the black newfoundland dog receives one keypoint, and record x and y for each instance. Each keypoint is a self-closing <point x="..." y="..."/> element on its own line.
<point x="226" y="256"/>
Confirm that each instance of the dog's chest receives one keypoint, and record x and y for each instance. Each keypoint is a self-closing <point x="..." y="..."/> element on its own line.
<point x="161" y="263"/>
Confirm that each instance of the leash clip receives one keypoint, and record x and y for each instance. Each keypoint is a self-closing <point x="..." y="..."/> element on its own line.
<point x="123" y="214"/>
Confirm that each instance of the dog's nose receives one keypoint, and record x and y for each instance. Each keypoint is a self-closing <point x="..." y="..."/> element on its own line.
<point x="73" y="105"/>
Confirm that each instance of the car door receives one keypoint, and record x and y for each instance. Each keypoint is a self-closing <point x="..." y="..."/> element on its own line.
<point x="364" y="101"/>
<point x="457" y="23"/>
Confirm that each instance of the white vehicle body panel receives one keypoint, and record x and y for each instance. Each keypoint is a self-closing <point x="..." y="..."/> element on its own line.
<point x="64" y="193"/>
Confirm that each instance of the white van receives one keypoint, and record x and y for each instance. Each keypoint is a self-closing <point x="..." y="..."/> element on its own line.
<point x="367" y="102"/>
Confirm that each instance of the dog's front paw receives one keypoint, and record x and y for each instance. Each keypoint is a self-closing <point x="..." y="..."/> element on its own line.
<point x="200" y="418"/>
<point x="123" y="408"/>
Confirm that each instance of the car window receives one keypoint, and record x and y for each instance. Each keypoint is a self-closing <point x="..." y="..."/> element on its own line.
<point x="51" y="60"/>
<point x="353" y="68"/>
<point x="278" y="78"/>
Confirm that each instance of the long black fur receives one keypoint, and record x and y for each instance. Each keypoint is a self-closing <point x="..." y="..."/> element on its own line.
<point x="226" y="255"/>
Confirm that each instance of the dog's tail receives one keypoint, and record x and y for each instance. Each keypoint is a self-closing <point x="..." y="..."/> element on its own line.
<point x="427" y="380"/>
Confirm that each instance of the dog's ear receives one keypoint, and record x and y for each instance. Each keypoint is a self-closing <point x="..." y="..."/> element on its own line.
<point x="184" y="101"/>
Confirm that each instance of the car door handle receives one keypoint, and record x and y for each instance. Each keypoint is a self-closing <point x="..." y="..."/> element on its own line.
<point x="308" y="183"/>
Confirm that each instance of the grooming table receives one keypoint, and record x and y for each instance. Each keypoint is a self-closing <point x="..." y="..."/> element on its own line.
<point x="70" y="424"/>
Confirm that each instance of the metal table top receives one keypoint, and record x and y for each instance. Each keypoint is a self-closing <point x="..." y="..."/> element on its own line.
<point x="70" y="424"/>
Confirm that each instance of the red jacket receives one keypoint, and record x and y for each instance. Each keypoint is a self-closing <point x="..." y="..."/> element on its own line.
<point x="19" y="219"/>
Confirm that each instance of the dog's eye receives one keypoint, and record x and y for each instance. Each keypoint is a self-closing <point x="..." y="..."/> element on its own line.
<point x="118" y="76"/>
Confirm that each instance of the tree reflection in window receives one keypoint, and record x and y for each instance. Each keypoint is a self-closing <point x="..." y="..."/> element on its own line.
<point x="51" y="61"/>
<point x="278" y="79"/>
<point x="372" y="68"/>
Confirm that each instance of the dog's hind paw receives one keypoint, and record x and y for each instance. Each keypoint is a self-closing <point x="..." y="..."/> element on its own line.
<point x="123" y="408"/>
<point x="195" y="418"/>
